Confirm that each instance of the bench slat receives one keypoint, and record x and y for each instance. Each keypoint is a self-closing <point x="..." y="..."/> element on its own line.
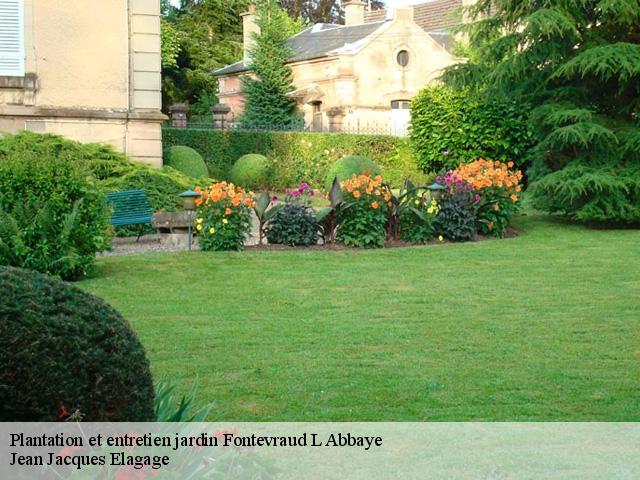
<point x="131" y="207"/>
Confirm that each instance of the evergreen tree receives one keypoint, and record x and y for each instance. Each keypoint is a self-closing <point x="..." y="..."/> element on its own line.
<point x="577" y="63"/>
<point x="266" y="90"/>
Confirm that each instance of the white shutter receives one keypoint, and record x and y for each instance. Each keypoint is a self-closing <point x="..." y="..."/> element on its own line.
<point x="12" y="38"/>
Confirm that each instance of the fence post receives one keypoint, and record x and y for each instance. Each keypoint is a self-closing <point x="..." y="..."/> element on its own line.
<point x="179" y="115"/>
<point x="336" y="117"/>
<point x="219" y="113"/>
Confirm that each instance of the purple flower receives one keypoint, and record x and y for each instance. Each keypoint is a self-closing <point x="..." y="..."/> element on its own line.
<point x="439" y="179"/>
<point x="469" y="187"/>
<point x="459" y="182"/>
<point x="303" y="186"/>
<point x="295" y="193"/>
<point x="274" y="198"/>
<point x="478" y="197"/>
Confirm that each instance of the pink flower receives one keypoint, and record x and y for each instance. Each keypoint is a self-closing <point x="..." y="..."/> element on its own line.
<point x="303" y="186"/>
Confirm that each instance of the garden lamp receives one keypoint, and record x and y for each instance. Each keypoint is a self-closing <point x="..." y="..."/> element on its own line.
<point x="189" y="204"/>
<point x="436" y="190"/>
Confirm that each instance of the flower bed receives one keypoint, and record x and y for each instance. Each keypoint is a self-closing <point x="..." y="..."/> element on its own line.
<point x="479" y="198"/>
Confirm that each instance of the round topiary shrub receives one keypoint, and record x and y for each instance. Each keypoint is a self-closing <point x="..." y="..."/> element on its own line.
<point x="187" y="161"/>
<point x="251" y="171"/>
<point x="64" y="351"/>
<point x="346" y="167"/>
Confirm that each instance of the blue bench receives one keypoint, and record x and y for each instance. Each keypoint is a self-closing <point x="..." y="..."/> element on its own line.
<point x="130" y="207"/>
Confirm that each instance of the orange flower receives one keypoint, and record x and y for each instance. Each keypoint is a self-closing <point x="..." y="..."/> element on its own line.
<point x="374" y="205"/>
<point x="356" y="194"/>
<point x="227" y="211"/>
<point x="490" y="225"/>
<point x="248" y="202"/>
<point x="235" y="201"/>
<point x="215" y="196"/>
<point x="514" y="197"/>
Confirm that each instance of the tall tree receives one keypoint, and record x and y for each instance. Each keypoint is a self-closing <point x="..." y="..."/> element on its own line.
<point x="268" y="104"/>
<point x="577" y="64"/>
<point x="320" y="11"/>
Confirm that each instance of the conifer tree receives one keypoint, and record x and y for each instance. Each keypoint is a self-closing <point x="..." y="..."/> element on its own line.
<point x="266" y="89"/>
<point x="577" y="63"/>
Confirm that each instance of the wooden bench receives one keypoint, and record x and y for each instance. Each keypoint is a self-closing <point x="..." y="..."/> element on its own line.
<point x="130" y="207"/>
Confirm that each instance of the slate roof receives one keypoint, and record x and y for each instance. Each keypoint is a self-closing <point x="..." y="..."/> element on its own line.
<point x="316" y="42"/>
<point x="434" y="16"/>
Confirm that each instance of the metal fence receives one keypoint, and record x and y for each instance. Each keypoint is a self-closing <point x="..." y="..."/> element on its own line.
<point x="356" y="127"/>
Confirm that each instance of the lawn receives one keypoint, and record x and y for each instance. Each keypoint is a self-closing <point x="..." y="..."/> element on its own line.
<point x="545" y="326"/>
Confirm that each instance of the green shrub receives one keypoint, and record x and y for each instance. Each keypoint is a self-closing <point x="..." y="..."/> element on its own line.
<point x="293" y="225"/>
<point x="97" y="160"/>
<point x="591" y="193"/>
<point x="450" y="127"/>
<point x="186" y="160"/>
<point x="53" y="219"/>
<point x="346" y="167"/>
<point x="251" y="171"/>
<point x="162" y="186"/>
<point x="417" y="222"/>
<point x="456" y="220"/>
<point x="299" y="156"/>
<point x="295" y="222"/>
<point x="63" y="350"/>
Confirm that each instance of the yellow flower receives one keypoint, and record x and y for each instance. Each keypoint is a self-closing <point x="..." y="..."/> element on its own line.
<point x="225" y="221"/>
<point x="441" y="238"/>
<point x="199" y="227"/>
<point x="199" y="220"/>
<point x="417" y="202"/>
<point x="212" y="230"/>
<point x="430" y="210"/>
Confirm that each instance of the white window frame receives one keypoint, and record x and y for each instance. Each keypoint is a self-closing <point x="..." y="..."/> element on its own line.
<point x="19" y="70"/>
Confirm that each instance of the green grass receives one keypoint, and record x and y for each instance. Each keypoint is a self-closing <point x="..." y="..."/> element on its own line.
<point x="545" y="326"/>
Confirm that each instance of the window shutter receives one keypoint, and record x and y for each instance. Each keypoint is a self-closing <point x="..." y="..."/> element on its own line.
<point x="12" y="38"/>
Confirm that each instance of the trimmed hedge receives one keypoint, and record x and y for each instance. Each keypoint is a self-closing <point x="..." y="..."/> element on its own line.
<point x="63" y="350"/>
<point x="298" y="156"/>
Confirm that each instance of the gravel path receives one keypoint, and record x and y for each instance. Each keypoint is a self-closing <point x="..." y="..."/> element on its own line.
<point x="153" y="243"/>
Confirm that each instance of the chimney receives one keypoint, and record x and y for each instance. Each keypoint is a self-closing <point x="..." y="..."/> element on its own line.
<point x="353" y="12"/>
<point x="249" y="28"/>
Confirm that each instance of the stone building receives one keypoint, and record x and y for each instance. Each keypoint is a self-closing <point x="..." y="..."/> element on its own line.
<point x="88" y="70"/>
<point x="359" y="77"/>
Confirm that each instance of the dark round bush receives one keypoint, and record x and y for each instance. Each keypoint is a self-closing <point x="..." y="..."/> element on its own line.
<point x="63" y="350"/>
<point x="187" y="161"/>
<point x="346" y="167"/>
<point x="251" y="171"/>
<point x="293" y="225"/>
